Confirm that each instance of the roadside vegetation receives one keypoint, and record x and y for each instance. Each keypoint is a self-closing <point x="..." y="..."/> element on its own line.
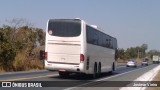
<point x="138" y="53"/>
<point x="20" y="44"/>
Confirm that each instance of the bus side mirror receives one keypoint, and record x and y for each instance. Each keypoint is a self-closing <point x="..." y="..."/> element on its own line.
<point x="42" y="55"/>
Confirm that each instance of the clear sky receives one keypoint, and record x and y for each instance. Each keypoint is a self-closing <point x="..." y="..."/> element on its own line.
<point x="132" y="22"/>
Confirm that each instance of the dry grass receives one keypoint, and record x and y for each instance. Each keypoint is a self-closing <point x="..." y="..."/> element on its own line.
<point x="19" y="64"/>
<point x="2" y="70"/>
<point x="24" y="62"/>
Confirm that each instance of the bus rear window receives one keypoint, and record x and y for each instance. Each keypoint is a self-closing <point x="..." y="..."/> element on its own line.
<point x="64" y="28"/>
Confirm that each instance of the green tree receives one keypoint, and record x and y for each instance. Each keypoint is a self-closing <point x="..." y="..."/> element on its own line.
<point x="7" y="52"/>
<point x="153" y="52"/>
<point x="131" y="53"/>
<point x="144" y="46"/>
<point x="121" y="53"/>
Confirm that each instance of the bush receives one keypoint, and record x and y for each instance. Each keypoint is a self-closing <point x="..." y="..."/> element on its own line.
<point x="18" y="48"/>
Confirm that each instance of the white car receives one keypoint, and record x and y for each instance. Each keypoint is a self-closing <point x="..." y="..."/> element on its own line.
<point x="145" y="62"/>
<point x="131" y="63"/>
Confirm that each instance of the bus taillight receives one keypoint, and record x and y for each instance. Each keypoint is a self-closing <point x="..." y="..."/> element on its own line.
<point x="81" y="57"/>
<point x="46" y="55"/>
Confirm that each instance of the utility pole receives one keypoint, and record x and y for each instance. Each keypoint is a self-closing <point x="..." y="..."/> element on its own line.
<point x="138" y="53"/>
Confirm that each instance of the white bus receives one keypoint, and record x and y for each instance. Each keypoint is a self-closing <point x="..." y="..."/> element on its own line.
<point x="72" y="45"/>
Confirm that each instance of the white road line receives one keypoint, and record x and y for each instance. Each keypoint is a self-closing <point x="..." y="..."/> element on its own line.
<point x="22" y="72"/>
<point x="102" y="79"/>
<point x="28" y="78"/>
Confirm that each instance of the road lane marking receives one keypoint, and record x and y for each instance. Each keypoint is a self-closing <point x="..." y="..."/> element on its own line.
<point x="22" y="72"/>
<point x="120" y="74"/>
<point x="27" y="78"/>
<point x="103" y="79"/>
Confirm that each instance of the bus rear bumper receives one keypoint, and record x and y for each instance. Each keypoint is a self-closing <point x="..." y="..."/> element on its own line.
<point x="65" y="67"/>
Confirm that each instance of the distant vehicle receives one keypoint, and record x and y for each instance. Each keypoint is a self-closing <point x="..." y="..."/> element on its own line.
<point x="144" y="62"/>
<point x="131" y="63"/>
<point x="156" y="59"/>
<point x="73" y="46"/>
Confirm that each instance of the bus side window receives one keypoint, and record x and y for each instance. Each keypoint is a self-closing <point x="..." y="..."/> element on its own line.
<point x="111" y="44"/>
<point x="89" y="35"/>
<point x="95" y="39"/>
<point x="100" y="39"/>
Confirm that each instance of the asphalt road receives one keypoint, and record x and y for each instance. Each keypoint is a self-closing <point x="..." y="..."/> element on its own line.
<point x="74" y="81"/>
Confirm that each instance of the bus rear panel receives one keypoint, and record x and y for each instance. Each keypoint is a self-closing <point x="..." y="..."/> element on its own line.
<point x="63" y="45"/>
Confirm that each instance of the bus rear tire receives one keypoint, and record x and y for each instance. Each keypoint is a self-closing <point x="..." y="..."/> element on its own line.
<point x="99" y="70"/>
<point x="94" y="75"/>
<point x="113" y="68"/>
